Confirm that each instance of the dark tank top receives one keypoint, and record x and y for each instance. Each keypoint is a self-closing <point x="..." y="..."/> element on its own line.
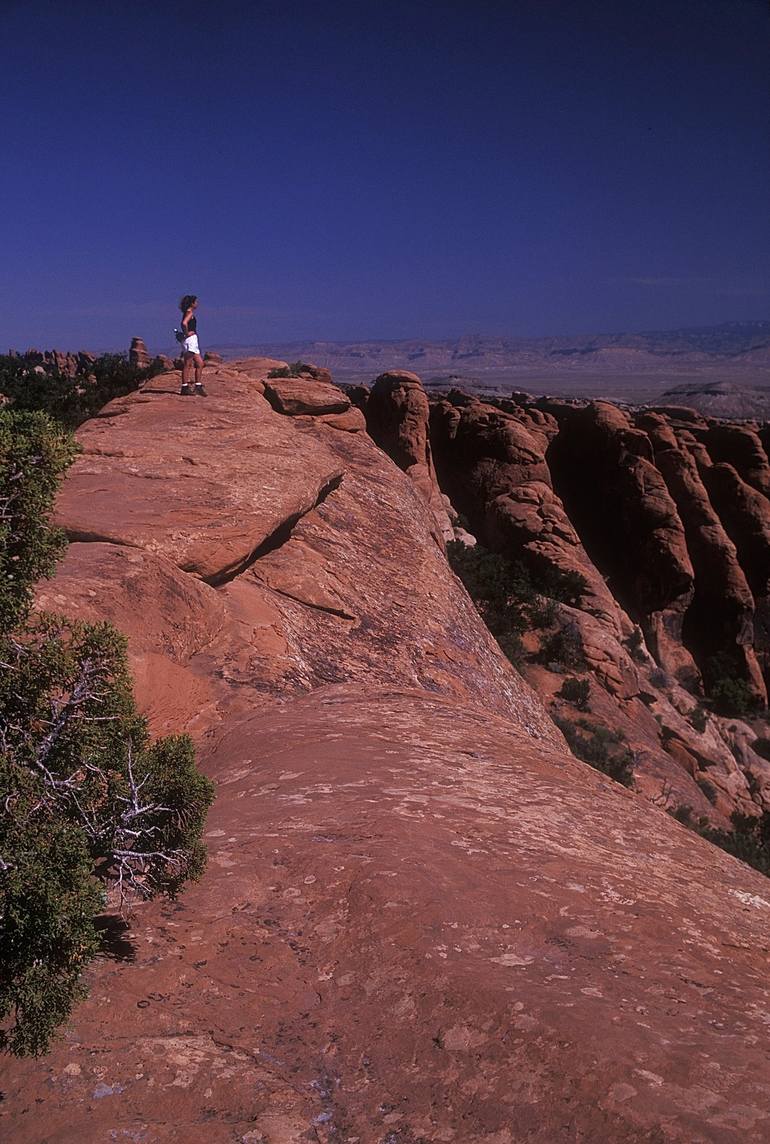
<point x="192" y="325"/>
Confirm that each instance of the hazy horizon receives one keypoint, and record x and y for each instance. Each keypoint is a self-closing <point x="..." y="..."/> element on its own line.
<point x="43" y="345"/>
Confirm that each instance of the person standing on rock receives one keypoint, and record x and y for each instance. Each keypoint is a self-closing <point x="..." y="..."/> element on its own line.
<point x="191" y="351"/>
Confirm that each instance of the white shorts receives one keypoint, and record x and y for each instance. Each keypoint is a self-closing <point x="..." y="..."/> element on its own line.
<point x="190" y="345"/>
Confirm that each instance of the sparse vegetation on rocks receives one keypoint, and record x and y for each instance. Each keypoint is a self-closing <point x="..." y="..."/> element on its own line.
<point x="507" y="595"/>
<point x="295" y="369"/>
<point x="749" y="839"/>
<point x="734" y="698"/>
<point x="544" y="613"/>
<point x="659" y="679"/>
<point x="70" y="397"/>
<point x="699" y="718"/>
<point x="498" y="591"/>
<point x="576" y="691"/>
<point x="34" y="453"/>
<point x="89" y="804"/>
<point x="728" y="693"/>
<point x="563" y="649"/>
<point x="762" y="746"/>
<point x="684" y="814"/>
<point x="600" y="747"/>
<point x="423" y="711"/>
<point x="636" y="646"/>
<point x="709" y="790"/>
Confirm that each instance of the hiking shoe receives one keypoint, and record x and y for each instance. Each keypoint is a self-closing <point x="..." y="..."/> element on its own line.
<point x="200" y="390"/>
<point x="185" y="391"/>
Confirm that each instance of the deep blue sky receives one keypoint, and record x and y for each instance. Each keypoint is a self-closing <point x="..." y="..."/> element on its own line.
<point x="383" y="169"/>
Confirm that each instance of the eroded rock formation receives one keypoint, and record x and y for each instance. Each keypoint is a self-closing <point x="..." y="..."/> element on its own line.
<point x="493" y="465"/>
<point x="621" y="507"/>
<point x="423" y="919"/>
<point x="620" y="501"/>
<point x="138" y="354"/>
<point x="397" y="414"/>
<point x="58" y="361"/>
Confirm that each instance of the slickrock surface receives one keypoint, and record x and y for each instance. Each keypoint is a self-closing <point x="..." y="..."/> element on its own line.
<point x="195" y="485"/>
<point x="419" y="925"/>
<point x="321" y="551"/>
<point x="422" y="920"/>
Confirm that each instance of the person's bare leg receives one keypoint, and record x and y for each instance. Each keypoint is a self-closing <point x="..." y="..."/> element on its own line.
<point x="186" y="363"/>
<point x="199" y="387"/>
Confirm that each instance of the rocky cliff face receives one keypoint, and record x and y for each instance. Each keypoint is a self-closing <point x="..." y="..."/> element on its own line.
<point x="423" y="919"/>
<point x="664" y="516"/>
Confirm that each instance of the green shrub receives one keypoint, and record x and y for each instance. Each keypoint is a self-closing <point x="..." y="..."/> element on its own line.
<point x="499" y="590"/>
<point x="749" y="839"/>
<point x="567" y="587"/>
<point x="636" y="646"/>
<point x="762" y="747"/>
<point x="734" y="698"/>
<point x="300" y="367"/>
<point x="575" y="691"/>
<point x="544" y="613"/>
<point x="709" y="790"/>
<point x="600" y="747"/>
<point x="70" y="400"/>
<point x="564" y="649"/>
<point x="33" y="455"/>
<point x="488" y="575"/>
<point x="512" y="599"/>
<point x="728" y="692"/>
<point x="48" y="900"/>
<point x="88" y="802"/>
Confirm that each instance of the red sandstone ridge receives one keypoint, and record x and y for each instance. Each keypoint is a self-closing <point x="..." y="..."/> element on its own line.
<point x="423" y="920"/>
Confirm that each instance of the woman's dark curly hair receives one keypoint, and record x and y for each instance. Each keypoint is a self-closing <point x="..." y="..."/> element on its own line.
<point x="187" y="302"/>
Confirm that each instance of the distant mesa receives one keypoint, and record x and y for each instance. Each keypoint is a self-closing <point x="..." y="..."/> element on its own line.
<point x="621" y="367"/>
<point x="720" y="399"/>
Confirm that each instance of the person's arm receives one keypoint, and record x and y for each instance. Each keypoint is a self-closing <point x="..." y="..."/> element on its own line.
<point x="185" y="320"/>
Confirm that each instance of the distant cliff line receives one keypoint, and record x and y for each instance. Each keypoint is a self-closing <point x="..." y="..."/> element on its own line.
<point x="739" y="345"/>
